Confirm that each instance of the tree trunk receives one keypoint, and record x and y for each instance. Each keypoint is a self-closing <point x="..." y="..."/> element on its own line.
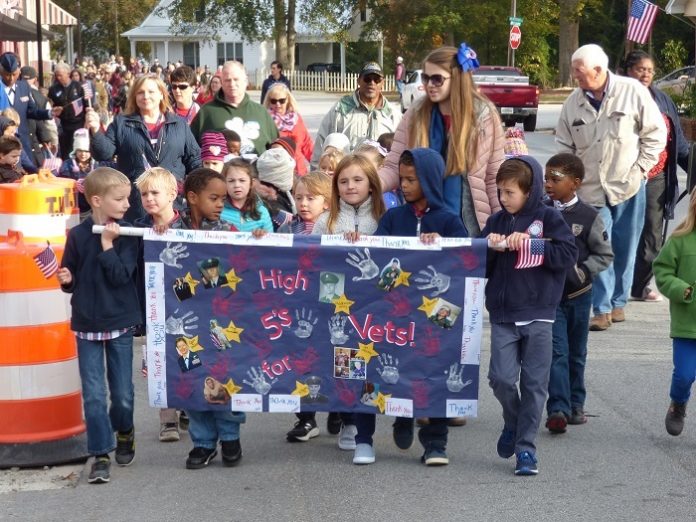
<point x="568" y="31"/>
<point x="280" y="31"/>
<point x="290" y="63"/>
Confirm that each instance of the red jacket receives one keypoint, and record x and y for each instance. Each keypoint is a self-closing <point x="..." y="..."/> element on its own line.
<point x="304" y="145"/>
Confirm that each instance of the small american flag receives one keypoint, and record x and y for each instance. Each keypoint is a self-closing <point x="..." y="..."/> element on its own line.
<point x="641" y="20"/>
<point x="47" y="262"/>
<point x="52" y="163"/>
<point x="77" y="106"/>
<point x="87" y="88"/>
<point x="531" y="253"/>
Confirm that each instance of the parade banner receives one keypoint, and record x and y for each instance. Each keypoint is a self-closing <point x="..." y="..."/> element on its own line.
<point x="313" y="323"/>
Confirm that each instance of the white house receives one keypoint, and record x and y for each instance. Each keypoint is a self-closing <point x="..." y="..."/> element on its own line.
<point x="198" y="47"/>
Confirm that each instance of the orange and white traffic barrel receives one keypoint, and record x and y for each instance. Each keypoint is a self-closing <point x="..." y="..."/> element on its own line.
<point x="40" y="393"/>
<point x="41" y="206"/>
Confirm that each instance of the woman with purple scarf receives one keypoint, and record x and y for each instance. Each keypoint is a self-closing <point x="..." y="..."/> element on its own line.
<point x="282" y="106"/>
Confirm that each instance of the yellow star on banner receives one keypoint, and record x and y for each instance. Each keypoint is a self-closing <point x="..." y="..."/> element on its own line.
<point x="381" y="401"/>
<point x="427" y="306"/>
<point x="343" y="304"/>
<point x="192" y="344"/>
<point x="301" y="389"/>
<point x="232" y="332"/>
<point x="191" y="282"/>
<point x="402" y="279"/>
<point x="232" y="280"/>
<point x="366" y="352"/>
<point x="231" y="387"/>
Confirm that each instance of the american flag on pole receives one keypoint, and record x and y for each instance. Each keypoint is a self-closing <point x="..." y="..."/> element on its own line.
<point x="641" y="20"/>
<point x="531" y="254"/>
<point x="47" y="262"/>
<point x="77" y="106"/>
<point x="52" y="163"/>
<point x="87" y="88"/>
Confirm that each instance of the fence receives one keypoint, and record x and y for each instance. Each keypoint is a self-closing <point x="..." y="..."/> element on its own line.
<point x="321" y="81"/>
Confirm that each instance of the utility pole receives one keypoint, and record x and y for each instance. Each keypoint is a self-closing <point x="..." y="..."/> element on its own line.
<point x="79" y="32"/>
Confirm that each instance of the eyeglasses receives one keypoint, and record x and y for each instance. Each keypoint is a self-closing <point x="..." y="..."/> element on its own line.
<point x="277" y="101"/>
<point x="437" y="80"/>
<point x="372" y="78"/>
<point x="644" y="70"/>
<point x="180" y="86"/>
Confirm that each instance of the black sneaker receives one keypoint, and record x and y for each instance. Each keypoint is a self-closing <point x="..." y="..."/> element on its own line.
<point x="333" y="423"/>
<point x="303" y="431"/>
<point x="100" y="472"/>
<point x="435" y="457"/>
<point x="125" y="448"/>
<point x="674" y="421"/>
<point x="403" y="433"/>
<point x="231" y="452"/>
<point x="183" y="421"/>
<point x="200" y="457"/>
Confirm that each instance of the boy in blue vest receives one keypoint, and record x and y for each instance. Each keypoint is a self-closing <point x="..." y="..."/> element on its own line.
<point x="532" y="249"/>
<point x="566" y="403"/>
<point x="421" y="174"/>
<point x="100" y="273"/>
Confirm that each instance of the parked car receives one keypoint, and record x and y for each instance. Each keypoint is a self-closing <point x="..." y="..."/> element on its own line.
<point x="676" y="81"/>
<point x="506" y="87"/>
<point x="413" y="89"/>
<point x="321" y="67"/>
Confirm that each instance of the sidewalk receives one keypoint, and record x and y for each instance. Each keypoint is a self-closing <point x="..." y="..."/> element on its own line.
<point x="622" y="465"/>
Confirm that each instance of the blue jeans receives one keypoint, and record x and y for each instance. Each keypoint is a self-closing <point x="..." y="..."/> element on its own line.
<point x="684" y="373"/>
<point x="119" y="376"/>
<point x="624" y="224"/>
<point x="567" y="378"/>
<point x="207" y="427"/>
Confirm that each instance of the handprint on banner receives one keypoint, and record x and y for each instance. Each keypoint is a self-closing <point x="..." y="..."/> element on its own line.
<point x="184" y="387"/>
<point x="337" y="325"/>
<point x="346" y="394"/>
<point x="401" y="307"/>
<point x="263" y="346"/>
<point x="469" y="260"/>
<point x="420" y="391"/>
<point x="431" y="278"/>
<point x="388" y="368"/>
<point x="263" y="300"/>
<point x="242" y="261"/>
<point x="363" y="262"/>
<point x="305" y="325"/>
<point x="454" y="378"/>
<point x="431" y="345"/>
<point x="307" y="258"/>
<point x="170" y="255"/>
<point x="305" y="363"/>
<point x="257" y="380"/>
<point x="181" y="325"/>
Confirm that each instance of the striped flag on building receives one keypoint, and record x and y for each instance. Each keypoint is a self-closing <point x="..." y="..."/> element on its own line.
<point x="641" y="20"/>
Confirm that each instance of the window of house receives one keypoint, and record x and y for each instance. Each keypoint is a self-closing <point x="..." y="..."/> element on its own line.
<point x="192" y="56"/>
<point x="230" y="51"/>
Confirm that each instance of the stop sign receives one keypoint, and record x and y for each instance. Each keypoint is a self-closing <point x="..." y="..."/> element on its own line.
<point x="515" y="36"/>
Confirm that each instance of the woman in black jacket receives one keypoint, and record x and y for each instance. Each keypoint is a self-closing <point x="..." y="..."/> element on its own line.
<point x="662" y="189"/>
<point x="147" y="134"/>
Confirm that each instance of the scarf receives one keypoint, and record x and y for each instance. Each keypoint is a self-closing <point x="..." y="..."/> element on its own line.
<point x="452" y="185"/>
<point x="285" y="122"/>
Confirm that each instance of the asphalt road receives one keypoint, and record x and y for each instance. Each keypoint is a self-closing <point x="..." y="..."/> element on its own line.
<point x="620" y="466"/>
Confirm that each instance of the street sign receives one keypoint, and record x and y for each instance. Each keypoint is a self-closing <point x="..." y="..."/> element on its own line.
<point x="515" y="36"/>
<point x="515" y="21"/>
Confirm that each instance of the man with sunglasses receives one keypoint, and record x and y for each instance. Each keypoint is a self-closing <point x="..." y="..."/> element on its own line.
<point x="363" y="114"/>
<point x="276" y="76"/>
<point x="181" y="84"/>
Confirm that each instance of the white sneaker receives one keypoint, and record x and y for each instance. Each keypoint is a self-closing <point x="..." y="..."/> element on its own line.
<point x="346" y="437"/>
<point x="364" y="454"/>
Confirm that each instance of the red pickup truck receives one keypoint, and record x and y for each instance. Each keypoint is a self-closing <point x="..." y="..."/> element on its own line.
<point x="509" y="90"/>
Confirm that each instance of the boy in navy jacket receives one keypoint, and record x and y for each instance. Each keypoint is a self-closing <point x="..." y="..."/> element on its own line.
<point x="532" y="250"/>
<point x="100" y="273"/>
<point x="421" y="175"/>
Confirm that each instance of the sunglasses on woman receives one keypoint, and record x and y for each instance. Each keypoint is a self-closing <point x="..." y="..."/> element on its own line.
<point x="277" y="101"/>
<point x="437" y="80"/>
<point x="180" y="86"/>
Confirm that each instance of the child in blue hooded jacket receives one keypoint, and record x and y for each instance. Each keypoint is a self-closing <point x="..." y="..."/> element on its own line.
<point x="533" y="248"/>
<point x="421" y="176"/>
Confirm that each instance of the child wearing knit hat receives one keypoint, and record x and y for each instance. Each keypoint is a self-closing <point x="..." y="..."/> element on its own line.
<point x="213" y="150"/>
<point x="276" y="175"/>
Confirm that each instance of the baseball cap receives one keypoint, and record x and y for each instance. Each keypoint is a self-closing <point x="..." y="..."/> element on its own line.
<point x="28" y="72"/>
<point x="9" y="62"/>
<point x="371" y="68"/>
